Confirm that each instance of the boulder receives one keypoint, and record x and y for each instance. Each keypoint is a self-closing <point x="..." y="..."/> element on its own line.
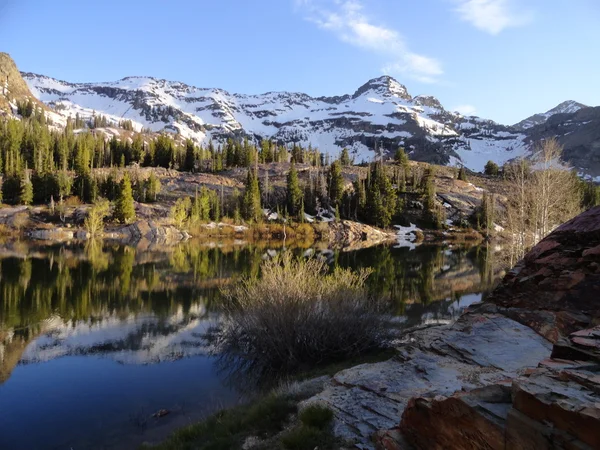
<point x="354" y="235"/>
<point x="145" y="232"/>
<point x="555" y="289"/>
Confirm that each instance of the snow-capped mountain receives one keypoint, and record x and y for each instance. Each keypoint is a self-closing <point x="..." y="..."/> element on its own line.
<point x="568" y="107"/>
<point x="375" y="120"/>
<point x="379" y="117"/>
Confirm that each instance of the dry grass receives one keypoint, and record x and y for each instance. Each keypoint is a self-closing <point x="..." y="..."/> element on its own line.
<point x="297" y="316"/>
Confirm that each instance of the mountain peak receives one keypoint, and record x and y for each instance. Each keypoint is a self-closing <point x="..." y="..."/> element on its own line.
<point x="566" y="107"/>
<point x="384" y="85"/>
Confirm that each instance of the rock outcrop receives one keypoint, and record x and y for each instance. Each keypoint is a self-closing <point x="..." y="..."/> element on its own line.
<point x="145" y="232"/>
<point x="476" y="351"/>
<point x="554" y="406"/>
<point x="520" y="371"/>
<point x="354" y="235"/>
<point x="555" y="289"/>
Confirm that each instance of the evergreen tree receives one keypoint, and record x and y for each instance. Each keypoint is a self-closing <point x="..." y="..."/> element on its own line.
<point x="428" y="188"/>
<point x="293" y="191"/>
<point x="462" y="174"/>
<point x="401" y="158"/>
<point x="164" y="151"/>
<point x="345" y="158"/>
<point x="336" y="183"/>
<point x="26" y="192"/>
<point x="201" y="206"/>
<point x="215" y="206"/>
<point x="189" y="164"/>
<point x="380" y="197"/>
<point x="124" y="207"/>
<point x="492" y="169"/>
<point x="251" y="208"/>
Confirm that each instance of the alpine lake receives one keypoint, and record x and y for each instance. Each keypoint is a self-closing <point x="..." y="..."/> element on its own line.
<point x="96" y="338"/>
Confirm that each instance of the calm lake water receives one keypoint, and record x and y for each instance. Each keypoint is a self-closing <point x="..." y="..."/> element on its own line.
<point x="95" y="339"/>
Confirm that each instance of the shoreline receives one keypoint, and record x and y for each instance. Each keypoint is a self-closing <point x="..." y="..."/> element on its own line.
<point x="32" y="224"/>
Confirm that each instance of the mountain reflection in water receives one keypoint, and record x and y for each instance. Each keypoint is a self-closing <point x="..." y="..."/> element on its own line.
<point x="132" y="325"/>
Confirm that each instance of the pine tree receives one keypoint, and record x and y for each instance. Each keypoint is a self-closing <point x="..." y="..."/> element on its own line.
<point x="380" y="197"/>
<point x="26" y="192"/>
<point x="201" y="206"/>
<point x="251" y="208"/>
<point x="293" y="191"/>
<point x="401" y="158"/>
<point x="124" y="207"/>
<point x="345" y="158"/>
<point x="336" y="183"/>
<point x="189" y="164"/>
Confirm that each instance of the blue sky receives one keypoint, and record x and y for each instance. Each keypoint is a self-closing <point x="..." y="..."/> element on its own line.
<point x="500" y="59"/>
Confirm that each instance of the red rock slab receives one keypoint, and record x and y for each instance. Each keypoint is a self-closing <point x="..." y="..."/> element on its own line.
<point x="587" y="222"/>
<point x="569" y="407"/>
<point x="465" y="421"/>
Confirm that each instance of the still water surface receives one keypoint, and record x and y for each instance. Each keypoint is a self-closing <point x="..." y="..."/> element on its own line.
<point x="95" y="339"/>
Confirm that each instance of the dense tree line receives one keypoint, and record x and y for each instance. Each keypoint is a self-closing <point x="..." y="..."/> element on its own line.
<point x="41" y="164"/>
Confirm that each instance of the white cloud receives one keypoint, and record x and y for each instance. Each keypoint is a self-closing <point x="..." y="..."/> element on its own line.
<point x="465" y="110"/>
<point x="346" y="20"/>
<point x="492" y="16"/>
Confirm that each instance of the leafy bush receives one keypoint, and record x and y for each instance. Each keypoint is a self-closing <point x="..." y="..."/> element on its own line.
<point x="180" y="211"/>
<point x="297" y="314"/>
<point x="94" y="222"/>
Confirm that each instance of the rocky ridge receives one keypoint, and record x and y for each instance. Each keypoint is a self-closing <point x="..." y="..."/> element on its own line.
<point x="568" y="107"/>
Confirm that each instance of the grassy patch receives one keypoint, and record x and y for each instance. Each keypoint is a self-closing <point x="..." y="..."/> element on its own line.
<point x="229" y="428"/>
<point x="265" y="419"/>
<point x="316" y="416"/>
<point x="308" y="438"/>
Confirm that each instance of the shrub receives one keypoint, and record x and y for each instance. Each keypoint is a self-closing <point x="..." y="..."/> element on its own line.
<point x="94" y="222"/>
<point x="307" y="438"/>
<point x="152" y="187"/>
<point x="297" y="314"/>
<point x="180" y="211"/>
<point x="316" y="416"/>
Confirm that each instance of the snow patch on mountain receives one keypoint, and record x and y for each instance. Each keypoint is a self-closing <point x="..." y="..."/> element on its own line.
<point x="381" y="115"/>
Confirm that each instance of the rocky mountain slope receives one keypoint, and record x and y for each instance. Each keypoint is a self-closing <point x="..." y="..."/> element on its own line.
<point x="13" y="88"/>
<point x="567" y="107"/>
<point x="376" y="119"/>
